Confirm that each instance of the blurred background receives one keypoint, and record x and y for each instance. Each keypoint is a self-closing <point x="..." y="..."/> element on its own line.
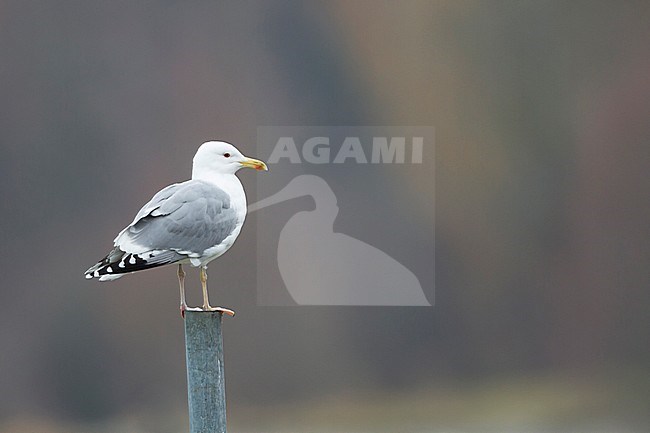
<point x="541" y="110"/>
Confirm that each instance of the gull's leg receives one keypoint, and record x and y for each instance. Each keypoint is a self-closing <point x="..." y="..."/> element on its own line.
<point x="206" y="302"/>
<point x="204" y="286"/>
<point x="181" y="283"/>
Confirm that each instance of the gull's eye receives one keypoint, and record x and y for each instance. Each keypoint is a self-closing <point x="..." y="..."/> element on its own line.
<point x="227" y="155"/>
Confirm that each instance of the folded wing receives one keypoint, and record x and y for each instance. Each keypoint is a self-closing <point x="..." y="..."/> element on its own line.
<point x="181" y="221"/>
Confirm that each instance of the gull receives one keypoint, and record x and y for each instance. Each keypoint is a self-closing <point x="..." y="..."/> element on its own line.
<point x="191" y="222"/>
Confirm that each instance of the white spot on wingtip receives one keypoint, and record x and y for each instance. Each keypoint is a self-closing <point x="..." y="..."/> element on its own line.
<point x="132" y="260"/>
<point x="89" y="276"/>
<point x="109" y="269"/>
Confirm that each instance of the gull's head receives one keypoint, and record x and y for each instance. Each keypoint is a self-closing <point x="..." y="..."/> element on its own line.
<point x="219" y="157"/>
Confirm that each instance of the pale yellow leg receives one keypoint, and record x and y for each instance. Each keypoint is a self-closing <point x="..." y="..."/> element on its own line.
<point x="206" y="302"/>
<point x="204" y="286"/>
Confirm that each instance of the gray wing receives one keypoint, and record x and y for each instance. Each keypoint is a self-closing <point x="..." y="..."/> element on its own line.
<point x="188" y="218"/>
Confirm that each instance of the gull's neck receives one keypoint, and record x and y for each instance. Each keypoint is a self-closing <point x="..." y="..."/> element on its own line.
<point x="199" y="173"/>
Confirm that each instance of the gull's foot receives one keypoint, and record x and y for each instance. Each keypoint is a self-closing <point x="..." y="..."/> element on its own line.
<point x="185" y="308"/>
<point x="227" y="311"/>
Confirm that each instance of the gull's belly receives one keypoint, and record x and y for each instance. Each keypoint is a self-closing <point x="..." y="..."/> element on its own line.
<point x="213" y="252"/>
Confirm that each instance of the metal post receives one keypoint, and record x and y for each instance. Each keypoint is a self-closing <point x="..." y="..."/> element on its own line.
<point x="206" y="391"/>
